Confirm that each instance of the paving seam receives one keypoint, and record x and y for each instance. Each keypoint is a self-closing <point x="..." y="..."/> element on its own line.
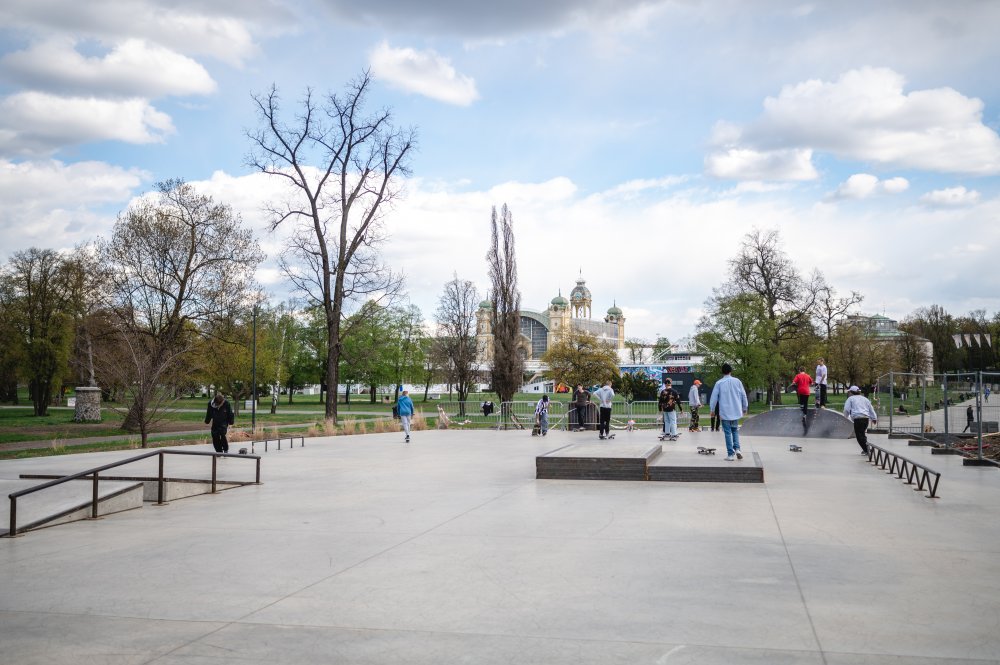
<point x="240" y="620"/>
<point x="798" y="585"/>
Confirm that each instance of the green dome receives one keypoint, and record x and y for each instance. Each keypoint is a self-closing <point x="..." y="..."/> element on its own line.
<point x="486" y="304"/>
<point x="559" y="300"/>
<point x="614" y="311"/>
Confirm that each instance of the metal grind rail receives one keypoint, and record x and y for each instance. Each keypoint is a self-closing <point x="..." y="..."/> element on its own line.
<point x="94" y="474"/>
<point x="890" y="462"/>
<point x="291" y="443"/>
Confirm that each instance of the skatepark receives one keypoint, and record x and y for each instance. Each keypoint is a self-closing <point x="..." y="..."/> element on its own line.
<point x="366" y="550"/>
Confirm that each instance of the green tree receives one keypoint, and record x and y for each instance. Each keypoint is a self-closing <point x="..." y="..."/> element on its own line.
<point x="737" y="330"/>
<point x="33" y="294"/>
<point x="581" y="358"/>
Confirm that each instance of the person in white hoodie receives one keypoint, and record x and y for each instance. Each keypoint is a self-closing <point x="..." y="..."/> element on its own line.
<point x="860" y="410"/>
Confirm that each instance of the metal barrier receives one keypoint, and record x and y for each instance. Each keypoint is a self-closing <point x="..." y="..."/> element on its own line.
<point x="890" y="462"/>
<point x="470" y="413"/>
<point x="94" y="474"/>
<point x="291" y="443"/>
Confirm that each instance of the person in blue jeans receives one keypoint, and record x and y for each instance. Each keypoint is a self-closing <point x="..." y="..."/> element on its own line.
<point x="730" y="398"/>
<point x="404" y="406"/>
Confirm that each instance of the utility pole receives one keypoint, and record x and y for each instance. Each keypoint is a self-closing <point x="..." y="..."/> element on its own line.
<point x="253" y="377"/>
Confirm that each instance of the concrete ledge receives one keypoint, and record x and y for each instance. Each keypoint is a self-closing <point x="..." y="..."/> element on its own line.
<point x="945" y="451"/>
<point x="971" y="461"/>
<point x="596" y="461"/>
<point x="671" y="467"/>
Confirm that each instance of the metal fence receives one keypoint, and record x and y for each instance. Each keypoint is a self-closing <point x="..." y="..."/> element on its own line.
<point x="954" y="404"/>
<point x="567" y="416"/>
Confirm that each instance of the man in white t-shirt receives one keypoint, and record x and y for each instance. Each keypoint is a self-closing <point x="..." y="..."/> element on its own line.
<point x="821" y="375"/>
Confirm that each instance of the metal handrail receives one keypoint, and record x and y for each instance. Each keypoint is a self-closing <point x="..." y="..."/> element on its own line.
<point x="891" y="462"/>
<point x="291" y="443"/>
<point x="94" y="474"/>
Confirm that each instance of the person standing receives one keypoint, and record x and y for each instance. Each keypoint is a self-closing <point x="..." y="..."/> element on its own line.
<point x="404" y="406"/>
<point x="220" y="415"/>
<point x="821" y="376"/>
<point x="802" y="382"/>
<point x="694" y="403"/>
<point x="542" y="414"/>
<point x="730" y="398"/>
<point x="668" y="403"/>
<point x="605" y="396"/>
<point x="860" y="410"/>
<point x="582" y="400"/>
<point x="970" y="417"/>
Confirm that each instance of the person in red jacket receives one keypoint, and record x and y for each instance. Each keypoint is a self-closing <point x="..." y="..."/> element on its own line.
<point x="802" y="382"/>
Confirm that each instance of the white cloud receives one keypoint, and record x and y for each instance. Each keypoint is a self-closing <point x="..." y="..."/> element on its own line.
<point x="422" y="72"/>
<point x="133" y="68"/>
<point x="183" y="26"/>
<point x="863" y="115"/>
<point x="52" y="204"/>
<point x="951" y="197"/>
<point x="35" y="123"/>
<point x="750" y="164"/>
<point x="865" y="185"/>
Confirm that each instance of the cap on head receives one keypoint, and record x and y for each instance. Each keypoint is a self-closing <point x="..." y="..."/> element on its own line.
<point x="697" y="382"/>
<point x="854" y="389"/>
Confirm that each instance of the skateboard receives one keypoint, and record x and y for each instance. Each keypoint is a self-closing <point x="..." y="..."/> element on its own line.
<point x="702" y="450"/>
<point x="795" y="448"/>
<point x="665" y="437"/>
<point x="609" y="436"/>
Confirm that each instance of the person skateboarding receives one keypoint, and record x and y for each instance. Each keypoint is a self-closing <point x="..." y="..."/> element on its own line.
<point x="861" y="412"/>
<point x="802" y="382"/>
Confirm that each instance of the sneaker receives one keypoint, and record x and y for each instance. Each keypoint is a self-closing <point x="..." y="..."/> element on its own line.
<point x="730" y="459"/>
<point x="601" y="437"/>
<point x="673" y="438"/>
<point x="739" y="455"/>
<point x="407" y="440"/>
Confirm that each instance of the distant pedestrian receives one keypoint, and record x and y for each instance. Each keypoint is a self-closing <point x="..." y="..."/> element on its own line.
<point x="542" y="414"/>
<point x="581" y="398"/>
<point x="730" y="398"/>
<point x="220" y="415"/>
<point x="970" y="418"/>
<point x="821" y="377"/>
<point x="605" y="396"/>
<point x="404" y="406"/>
<point x="668" y="403"/>
<point x="802" y="382"/>
<point x="860" y="410"/>
<point x="694" y="403"/>
<point x="986" y="394"/>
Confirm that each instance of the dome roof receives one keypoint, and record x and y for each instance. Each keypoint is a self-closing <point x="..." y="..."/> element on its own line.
<point x="614" y="310"/>
<point x="559" y="300"/>
<point x="580" y="291"/>
<point x="486" y="304"/>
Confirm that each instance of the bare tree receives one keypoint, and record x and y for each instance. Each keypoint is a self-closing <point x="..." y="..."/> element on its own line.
<point x="763" y="268"/>
<point x="638" y="350"/>
<point x="830" y="308"/>
<point x="508" y="358"/>
<point x="176" y="265"/>
<point x="456" y="339"/>
<point x="342" y="167"/>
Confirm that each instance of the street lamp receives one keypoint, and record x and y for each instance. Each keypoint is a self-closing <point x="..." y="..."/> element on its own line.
<point x="253" y="377"/>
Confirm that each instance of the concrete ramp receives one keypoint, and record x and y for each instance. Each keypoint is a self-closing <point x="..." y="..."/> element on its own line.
<point x="819" y="424"/>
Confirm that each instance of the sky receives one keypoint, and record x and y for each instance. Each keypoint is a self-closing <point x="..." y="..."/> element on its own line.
<point x="636" y="142"/>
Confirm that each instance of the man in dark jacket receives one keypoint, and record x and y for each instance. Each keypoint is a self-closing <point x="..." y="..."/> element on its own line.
<point x="581" y="398"/>
<point x="220" y="415"/>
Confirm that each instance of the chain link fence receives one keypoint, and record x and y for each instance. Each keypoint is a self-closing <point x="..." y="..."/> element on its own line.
<point x="955" y="405"/>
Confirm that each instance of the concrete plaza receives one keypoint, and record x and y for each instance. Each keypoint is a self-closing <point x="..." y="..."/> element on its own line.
<point x="448" y="550"/>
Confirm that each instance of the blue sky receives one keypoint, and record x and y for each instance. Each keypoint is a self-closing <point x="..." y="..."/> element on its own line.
<point x="635" y="141"/>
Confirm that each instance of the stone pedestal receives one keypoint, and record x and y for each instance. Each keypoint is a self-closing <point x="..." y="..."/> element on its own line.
<point x="88" y="405"/>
